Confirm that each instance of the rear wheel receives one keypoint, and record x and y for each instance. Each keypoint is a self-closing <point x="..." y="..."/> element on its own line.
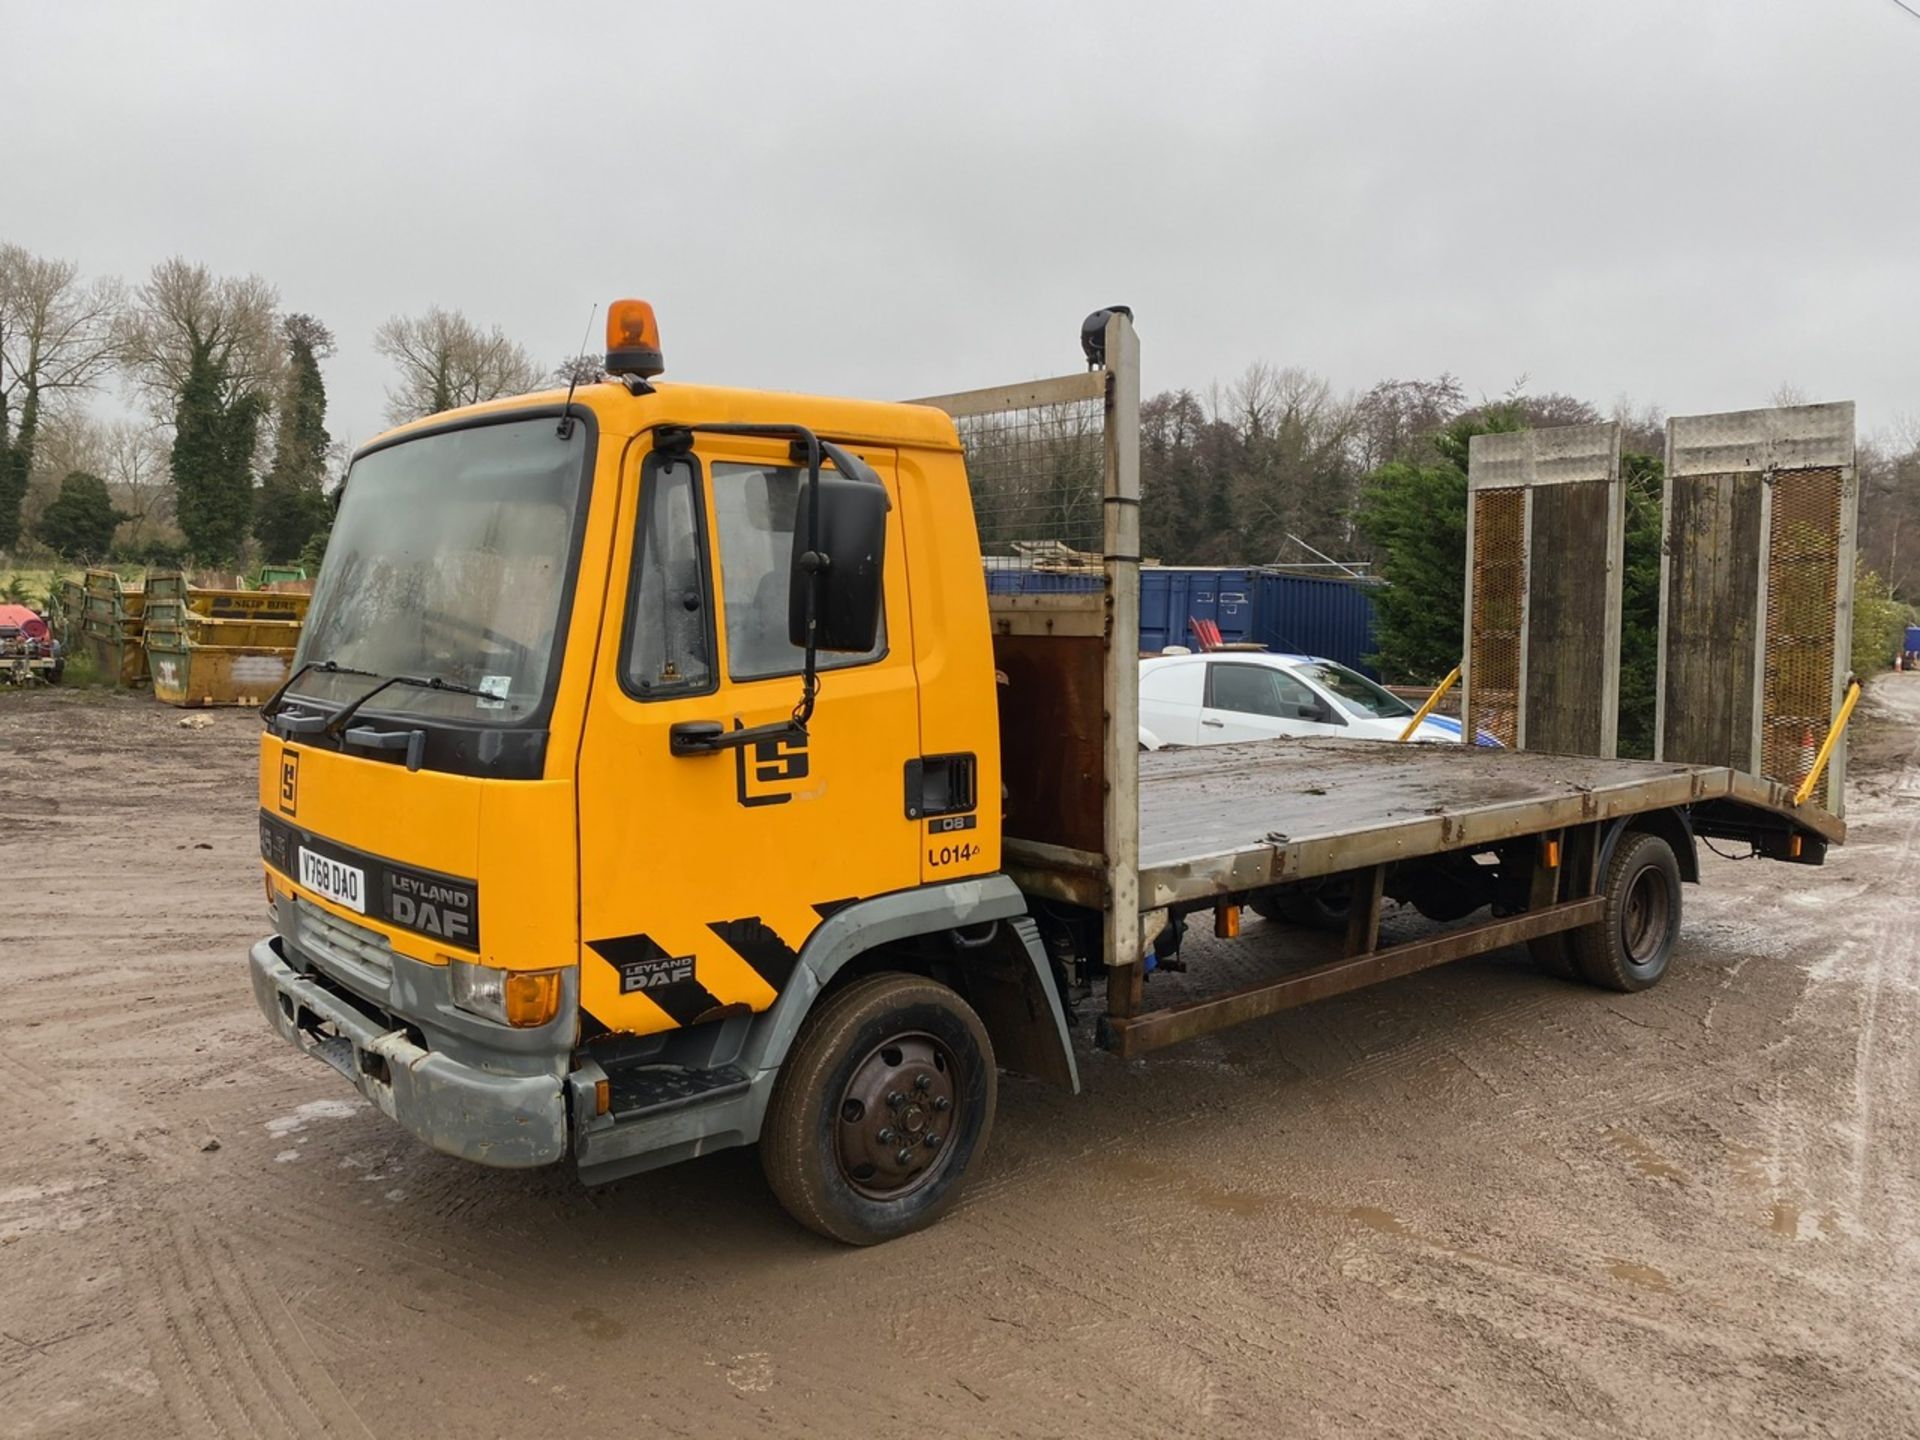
<point x="1629" y="947"/>
<point x="885" y="1100"/>
<point x="1320" y="905"/>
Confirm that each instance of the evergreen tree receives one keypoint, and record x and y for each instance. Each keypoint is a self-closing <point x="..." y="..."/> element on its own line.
<point x="16" y="462"/>
<point x="1644" y="477"/>
<point x="291" y="505"/>
<point x="315" y="550"/>
<point x="79" y="522"/>
<point x="1415" y="513"/>
<point x="212" y="461"/>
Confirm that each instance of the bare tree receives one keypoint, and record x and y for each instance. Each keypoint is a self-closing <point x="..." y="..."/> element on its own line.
<point x="1397" y="419"/>
<point x="130" y="455"/>
<point x="134" y="465"/>
<point x="185" y="312"/>
<point x="580" y="370"/>
<point x="57" y="338"/>
<point x="1643" y="428"/>
<point x="445" y="360"/>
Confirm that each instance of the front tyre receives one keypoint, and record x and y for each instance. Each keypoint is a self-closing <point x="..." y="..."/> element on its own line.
<point x="885" y="1100"/>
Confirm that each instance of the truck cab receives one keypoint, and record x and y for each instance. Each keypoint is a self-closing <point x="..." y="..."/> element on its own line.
<point x="641" y="749"/>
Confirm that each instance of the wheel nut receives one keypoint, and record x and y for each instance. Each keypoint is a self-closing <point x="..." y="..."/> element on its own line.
<point x="885" y="1137"/>
<point x="904" y="1155"/>
<point x="922" y="1080"/>
<point x="942" y="1103"/>
<point x="895" y="1099"/>
<point x="933" y="1140"/>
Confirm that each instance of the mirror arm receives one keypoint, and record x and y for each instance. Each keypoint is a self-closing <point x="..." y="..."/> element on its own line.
<point x="709" y="737"/>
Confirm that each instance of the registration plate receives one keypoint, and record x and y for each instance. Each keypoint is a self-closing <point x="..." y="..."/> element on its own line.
<point x="343" y="884"/>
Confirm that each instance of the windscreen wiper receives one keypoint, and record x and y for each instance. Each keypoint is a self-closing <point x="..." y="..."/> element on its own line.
<point x="331" y="667"/>
<point x="346" y="712"/>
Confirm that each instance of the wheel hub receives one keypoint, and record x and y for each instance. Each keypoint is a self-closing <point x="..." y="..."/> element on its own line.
<point x="1645" y="920"/>
<point x="896" y="1116"/>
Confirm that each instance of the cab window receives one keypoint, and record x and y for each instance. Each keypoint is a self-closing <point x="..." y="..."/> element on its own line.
<point x="753" y="510"/>
<point x="669" y="647"/>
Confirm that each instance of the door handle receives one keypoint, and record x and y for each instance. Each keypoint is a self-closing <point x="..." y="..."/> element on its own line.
<point x="1216" y="724"/>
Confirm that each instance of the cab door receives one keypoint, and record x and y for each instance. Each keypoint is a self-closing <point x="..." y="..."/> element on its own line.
<point x="703" y="874"/>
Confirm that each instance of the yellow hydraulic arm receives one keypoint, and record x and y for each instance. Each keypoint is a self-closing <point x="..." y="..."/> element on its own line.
<point x="1805" y="792"/>
<point x="1453" y="678"/>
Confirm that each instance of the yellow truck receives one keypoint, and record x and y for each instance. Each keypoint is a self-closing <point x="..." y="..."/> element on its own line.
<point x="655" y="776"/>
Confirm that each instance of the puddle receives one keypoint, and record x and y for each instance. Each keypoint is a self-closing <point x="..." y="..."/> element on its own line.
<point x="1208" y="1197"/>
<point x="597" y="1324"/>
<point x="1643" y="1276"/>
<point x="1374" y="1218"/>
<point x="1749" y="1165"/>
<point x="1645" y="1159"/>
<point x="1794" y="1223"/>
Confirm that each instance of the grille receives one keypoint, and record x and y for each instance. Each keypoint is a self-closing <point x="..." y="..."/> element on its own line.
<point x="1803" y="579"/>
<point x="1498" y="567"/>
<point x="341" y="945"/>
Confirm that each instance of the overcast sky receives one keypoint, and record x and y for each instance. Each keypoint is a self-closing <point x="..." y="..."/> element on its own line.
<point x="1689" y="202"/>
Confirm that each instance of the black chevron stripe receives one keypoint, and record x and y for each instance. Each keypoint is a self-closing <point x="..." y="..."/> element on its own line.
<point x="770" y="956"/>
<point x="685" y="1001"/>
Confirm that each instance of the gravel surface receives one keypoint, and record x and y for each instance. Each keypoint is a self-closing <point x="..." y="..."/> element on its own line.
<point x="1476" y="1202"/>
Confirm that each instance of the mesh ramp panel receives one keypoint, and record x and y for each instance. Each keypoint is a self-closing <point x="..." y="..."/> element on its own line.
<point x="1802" y="591"/>
<point x="1499" y="580"/>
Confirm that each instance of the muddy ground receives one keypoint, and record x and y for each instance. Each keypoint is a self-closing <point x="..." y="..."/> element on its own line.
<point x="1474" y="1202"/>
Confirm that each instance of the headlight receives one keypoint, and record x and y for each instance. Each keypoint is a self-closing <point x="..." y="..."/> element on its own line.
<point x="511" y="997"/>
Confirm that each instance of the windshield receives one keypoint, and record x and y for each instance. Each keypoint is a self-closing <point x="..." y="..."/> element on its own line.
<point x="1357" y="695"/>
<point x="448" y="561"/>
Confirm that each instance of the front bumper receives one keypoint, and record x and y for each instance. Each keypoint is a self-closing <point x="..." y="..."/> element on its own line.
<point x="509" y="1121"/>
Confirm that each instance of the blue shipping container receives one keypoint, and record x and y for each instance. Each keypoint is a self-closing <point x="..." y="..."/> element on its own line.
<point x="1913" y="638"/>
<point x="1311" y="615"/>
<point x="1297" y="614"/>
<point x="1173" y="596"/>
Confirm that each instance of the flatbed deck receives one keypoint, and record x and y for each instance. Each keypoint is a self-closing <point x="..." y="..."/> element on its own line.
<point x="1228" y="819"/>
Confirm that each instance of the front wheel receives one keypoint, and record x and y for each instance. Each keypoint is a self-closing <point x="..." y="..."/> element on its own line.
<point x="1629" y="946"/>
<point x="885" y="1100"/>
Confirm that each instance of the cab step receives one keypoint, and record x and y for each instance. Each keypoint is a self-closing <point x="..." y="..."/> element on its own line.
<point x="639" y="1090"/>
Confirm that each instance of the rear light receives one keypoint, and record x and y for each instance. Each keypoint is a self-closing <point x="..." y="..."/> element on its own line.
<point x="522" y="998"/>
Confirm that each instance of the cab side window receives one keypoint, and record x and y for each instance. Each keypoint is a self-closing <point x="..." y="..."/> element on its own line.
<point x="669" y="647"/>
<point x="753" y="511"/>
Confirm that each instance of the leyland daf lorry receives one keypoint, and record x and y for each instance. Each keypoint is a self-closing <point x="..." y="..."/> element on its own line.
<point x="655" y="776"/>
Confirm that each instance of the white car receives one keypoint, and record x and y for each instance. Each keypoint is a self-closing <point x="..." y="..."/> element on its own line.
<point x="1221" y="696"/>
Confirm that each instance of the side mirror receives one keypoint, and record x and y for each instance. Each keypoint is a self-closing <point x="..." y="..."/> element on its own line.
<point x="843" y="575"/>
